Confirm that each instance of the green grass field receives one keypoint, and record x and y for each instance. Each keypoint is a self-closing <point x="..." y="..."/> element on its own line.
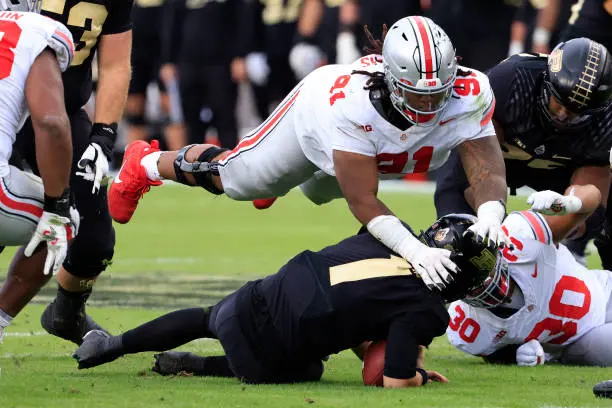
<point x="185" y="248"/>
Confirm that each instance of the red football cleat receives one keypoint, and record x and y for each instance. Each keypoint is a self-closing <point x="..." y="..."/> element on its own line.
<point x="263" y="203"/>
<point x="131" y="183"/>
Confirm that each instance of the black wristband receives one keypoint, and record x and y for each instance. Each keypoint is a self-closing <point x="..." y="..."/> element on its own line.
<point x="424" y="375"/>
<point x="58" y="205"/>
<point x="104" y="135"/>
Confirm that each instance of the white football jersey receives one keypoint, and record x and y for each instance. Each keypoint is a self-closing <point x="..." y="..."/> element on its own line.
<point x="334" y="112"/>
<point x="563" y="299"/>
<point x="23" y="36"/>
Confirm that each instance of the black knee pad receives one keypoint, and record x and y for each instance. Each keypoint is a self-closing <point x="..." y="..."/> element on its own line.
<point x="135" y="119"/>
<point x="91" y="252"/>
<point x="202" y="169"/>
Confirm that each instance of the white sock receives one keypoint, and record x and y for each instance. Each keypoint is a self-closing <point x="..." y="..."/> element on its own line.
<point x="149" y="162"/>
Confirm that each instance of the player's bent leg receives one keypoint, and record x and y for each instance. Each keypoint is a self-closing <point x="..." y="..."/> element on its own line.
<point x="268" y="162"/>
<point x="592" y="349"/>
<point x="89" y="254"/>
<point x="164" y="333"/>
<point x="321" y="188"/>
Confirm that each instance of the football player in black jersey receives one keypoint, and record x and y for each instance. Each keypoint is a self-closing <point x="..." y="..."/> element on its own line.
<point x="102" y="27"/>
<point x="278" y="329"/>
<point x="554" y="120"/>
<point x="567" y="19"/>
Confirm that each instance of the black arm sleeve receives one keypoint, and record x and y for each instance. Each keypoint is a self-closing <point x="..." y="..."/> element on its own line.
<point x="172" y="30"/>
<point x="401" y="352"/>
<point x="403" y="340"/>
<point x="119" y="18"/>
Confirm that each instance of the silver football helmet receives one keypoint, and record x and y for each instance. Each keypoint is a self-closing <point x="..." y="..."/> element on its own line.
<point x="21" y="5"/>
<point x="420" y="68"/>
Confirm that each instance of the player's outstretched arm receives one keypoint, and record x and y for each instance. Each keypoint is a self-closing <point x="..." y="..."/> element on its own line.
<point x="484" y="167"/>
<point x="573" y="208"/>
<point x="357" y="176"/>
<point x="44" y="93"/>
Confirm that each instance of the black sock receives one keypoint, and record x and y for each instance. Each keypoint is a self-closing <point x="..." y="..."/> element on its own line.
<point x="67" y="303"/>
<point x="168" y="331"/>
<point x="213" y="366"/>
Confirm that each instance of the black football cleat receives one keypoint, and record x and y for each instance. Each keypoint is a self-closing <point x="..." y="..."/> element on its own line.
<point x="177" y="362"/>
<point x="603" y="389"/>
<point x="98" y="347"/>
<point x="66" y="321"/>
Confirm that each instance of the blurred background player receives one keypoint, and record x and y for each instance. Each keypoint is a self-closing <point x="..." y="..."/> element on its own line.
<point x="552" y="119"/>
<point x="34" y="209"/>
<point x="208" y="70"/>
<point x="103" y="28"/>
<point x="342" y="129"/>
<point x="278" y="329"/>
<point x="550" y="302"/>
<point x="147" y="17"/>
<point x="567" y="19"/>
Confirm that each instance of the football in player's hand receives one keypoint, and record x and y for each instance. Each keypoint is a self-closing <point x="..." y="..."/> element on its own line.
<point x="374" y="364"/>
<point x="603" y="389"/>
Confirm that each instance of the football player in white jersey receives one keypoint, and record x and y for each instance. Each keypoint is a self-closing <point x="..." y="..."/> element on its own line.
<point x="400" y="110"/>
<point x="34" y="212"/>
<point x="545" y="301"/>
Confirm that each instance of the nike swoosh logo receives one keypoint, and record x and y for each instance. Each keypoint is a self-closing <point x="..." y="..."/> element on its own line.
<point x="117" y="179"/>
<point x="535" y="272"/>
<point x="556" y="156"/>
<point x="444" y="122"/>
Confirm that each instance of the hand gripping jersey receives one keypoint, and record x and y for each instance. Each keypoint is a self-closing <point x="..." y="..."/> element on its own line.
<point x="563" y="299"/>
<point x="333" y="112"/>
<point x="23" y="36"/>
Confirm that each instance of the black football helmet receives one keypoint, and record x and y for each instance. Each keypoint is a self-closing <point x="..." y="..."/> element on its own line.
<point x="579" y="77"/>
<point x="483" y="280"/>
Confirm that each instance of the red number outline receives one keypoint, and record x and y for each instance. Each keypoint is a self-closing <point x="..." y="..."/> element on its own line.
<point x="10" y="32"/>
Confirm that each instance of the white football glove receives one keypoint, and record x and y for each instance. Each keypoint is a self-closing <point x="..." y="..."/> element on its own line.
<point x="551" y="203"/>
<point x="346" y="48"/>
<point x="433" y="265"/>
<point x="488" y="227"/>
<point x="305" y="58"/>
<point x="95" y="165"/>
<point x="53" y="230"/>
<point x="530" y="354"/>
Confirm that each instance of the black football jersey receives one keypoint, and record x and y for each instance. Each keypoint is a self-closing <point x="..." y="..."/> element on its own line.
<point x="357" y="290"/>
<point x="87" y="21"/>
<point x="533" y="149"/>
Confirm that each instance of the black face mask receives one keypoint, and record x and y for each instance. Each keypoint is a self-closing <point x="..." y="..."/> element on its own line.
<point x="550" y="123"/>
